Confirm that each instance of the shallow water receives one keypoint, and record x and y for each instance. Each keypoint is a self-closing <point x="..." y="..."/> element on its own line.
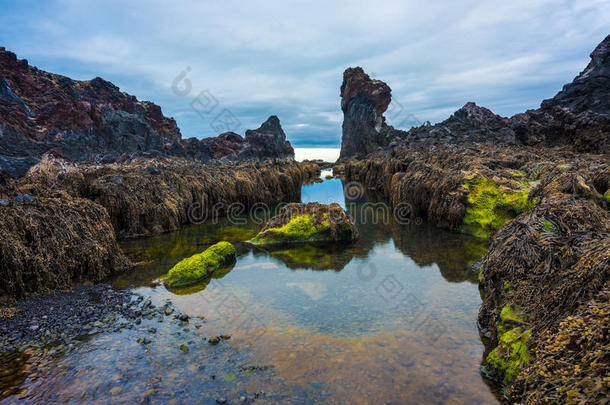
<point x="391" y="319"/>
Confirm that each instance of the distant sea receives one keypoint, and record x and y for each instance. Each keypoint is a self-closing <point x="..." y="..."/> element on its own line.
<point x="326" y="154"/>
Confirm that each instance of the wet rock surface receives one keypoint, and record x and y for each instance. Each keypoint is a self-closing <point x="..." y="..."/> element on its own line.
<point x="58" y="319"/>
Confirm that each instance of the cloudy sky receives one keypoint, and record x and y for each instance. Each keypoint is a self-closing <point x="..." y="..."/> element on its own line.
<point x="245" y="60"/>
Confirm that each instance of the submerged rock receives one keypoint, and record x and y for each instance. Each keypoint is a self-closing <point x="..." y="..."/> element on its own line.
<point x="313" y="222"/>
<point x="200" y="266"/>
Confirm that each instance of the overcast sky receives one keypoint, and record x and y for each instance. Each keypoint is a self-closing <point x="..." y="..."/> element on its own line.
<point x="248" y="59"/>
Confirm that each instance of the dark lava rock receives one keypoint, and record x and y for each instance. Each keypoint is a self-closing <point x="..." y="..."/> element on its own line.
<point x="363" y="101"/>
<point x="579" y="115"/>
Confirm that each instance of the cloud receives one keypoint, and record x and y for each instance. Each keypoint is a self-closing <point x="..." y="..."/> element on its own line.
<point x="287" y="58"/>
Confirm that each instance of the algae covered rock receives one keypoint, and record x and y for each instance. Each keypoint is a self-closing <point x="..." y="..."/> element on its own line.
<point x="313" y="222"/>
<point x="200" y="266"/>
<point x="490" y="206"/>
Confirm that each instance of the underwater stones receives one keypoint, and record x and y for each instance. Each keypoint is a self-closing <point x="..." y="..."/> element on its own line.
<point x="200" y="266"/>
<point x="214" y="340"/>
<point x="302" y="223"/>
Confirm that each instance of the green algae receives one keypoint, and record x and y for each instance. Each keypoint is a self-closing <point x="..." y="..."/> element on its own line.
<point x="490" y="206"/>
<point x="198" y="267"/>
<point x="302" y="228"/>
<point x="481" y="276"/>
<point x="506" y="361"/>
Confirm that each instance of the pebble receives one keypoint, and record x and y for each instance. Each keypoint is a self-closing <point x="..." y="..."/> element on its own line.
<point x="184" y="348"/>
<point x="168" y="311"/>
<point x="221" y="401"/>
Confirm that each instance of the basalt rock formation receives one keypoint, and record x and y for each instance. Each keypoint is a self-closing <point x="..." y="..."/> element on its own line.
<point x="579" y="116"/>
<point x="94" y="120"/>
<point x="363" y="101"/>
<point x="267" y="142"/>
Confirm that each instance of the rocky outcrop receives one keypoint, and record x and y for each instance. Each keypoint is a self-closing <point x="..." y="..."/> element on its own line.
<point x="94" y="120"/>
<point x="51" y="243"/>
<point x="150" y="196"/>
<point x="267" y="142"/>
<point x="578" y="116"/>
<point x="363" y="101"/>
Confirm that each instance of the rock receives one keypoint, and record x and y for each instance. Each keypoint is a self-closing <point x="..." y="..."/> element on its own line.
<point x="144" y="341"/>
<point x="94" y="120"/>
<point x="184" y="347"/>
<point x="363" y="101"/>
<point x="200" y="266"/>
<point x="214" y="340"/>
<point x="579" y="114"/>
<point x="168" y="311"/>
<point x="183" y="317"/>
<point x="4" y="202"/>
<point x="221" y="401"/>
<point x="312" y="222"/>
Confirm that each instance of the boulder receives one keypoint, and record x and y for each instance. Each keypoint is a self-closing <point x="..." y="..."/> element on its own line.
<point x="200" y="266"/>
<point x="312" y="222"/>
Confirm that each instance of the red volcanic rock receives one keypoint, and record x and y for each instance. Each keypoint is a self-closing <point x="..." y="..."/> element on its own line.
<point x="94" y="120"/>
<point x="356" y="82"/>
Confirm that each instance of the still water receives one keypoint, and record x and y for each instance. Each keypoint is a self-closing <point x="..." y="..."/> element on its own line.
<point x="390" y="319"/>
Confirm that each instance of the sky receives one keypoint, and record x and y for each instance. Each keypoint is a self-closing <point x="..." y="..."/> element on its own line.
<point x="228" y="65"/>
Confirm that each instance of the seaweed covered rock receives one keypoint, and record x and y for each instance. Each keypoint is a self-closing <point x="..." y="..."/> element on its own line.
<point x="151" y="196"/>
<point x="200" y="266"/>
<point x="312" y="222"/>
<point x="490" y="206"/>
<point x="51" y="243"/>
<point x="545" y="273"/>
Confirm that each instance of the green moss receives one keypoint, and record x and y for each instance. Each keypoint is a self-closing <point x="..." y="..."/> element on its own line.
<point x="607" y="196"/>
<point x="481" y="276"/>
<point x="506" y="287"/>
<point x="200" y="266"/>
<point x="509" y="314"/>
<point x="549" y="227"/>
<point x="505" y="361"/>
<point x="511" y="355"/>
<point x="300" y="229"/>
<point x="490" y="206"/>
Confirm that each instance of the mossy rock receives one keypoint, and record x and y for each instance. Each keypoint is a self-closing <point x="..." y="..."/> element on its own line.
<point x="506" y="361"/>
<point x="200" y="266"/>
<point x="303" y="223"/>
<point x="491" y="206"/>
